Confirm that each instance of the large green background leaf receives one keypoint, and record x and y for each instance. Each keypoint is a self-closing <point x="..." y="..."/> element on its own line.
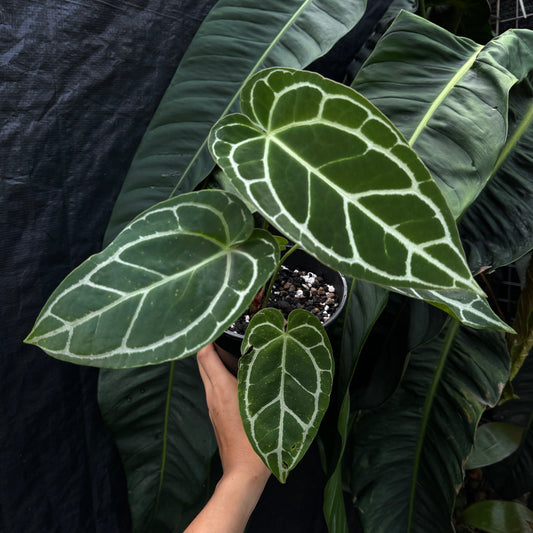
<point x="171" y="282"/>
<point x="165" y="441"/>
<point x="333" y="174"/>
<point x="521" y="344"/>
<point x="448" y="96"/>
<point x="402" y="326"/>
<point x="285" y="381"/>
<point x="497" y="229"/>
<point x="408" y="454"/>
<point x="365" y="303"/>
<point x="236" y="39"/>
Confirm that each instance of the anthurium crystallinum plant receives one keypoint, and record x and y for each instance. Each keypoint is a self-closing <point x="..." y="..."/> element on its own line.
<point x="368" y="179"/>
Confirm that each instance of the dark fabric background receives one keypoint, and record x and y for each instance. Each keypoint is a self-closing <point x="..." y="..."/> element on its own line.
<point x="79" y="82"/>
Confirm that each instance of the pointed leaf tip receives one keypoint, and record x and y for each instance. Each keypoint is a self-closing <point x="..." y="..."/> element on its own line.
<point x="171" y="282"/>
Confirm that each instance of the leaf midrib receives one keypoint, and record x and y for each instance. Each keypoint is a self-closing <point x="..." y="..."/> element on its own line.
<point x="165" y="434"/>
<point x="392" y="231"/>
<point x="443" y="94"/>
<point x="428" y="405"/>
<point x="122" y="299"/>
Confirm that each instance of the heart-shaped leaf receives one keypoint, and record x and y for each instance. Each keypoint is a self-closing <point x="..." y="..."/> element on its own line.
<point x="284" y="385"/>
<point x="333" y="174"/>
<point x="171" y="282"/>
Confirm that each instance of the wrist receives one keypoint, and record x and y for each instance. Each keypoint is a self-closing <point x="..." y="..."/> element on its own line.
<point x="245" y="484"/>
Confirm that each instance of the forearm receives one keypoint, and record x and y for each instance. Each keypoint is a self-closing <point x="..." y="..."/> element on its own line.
<point x="231" y="505"/>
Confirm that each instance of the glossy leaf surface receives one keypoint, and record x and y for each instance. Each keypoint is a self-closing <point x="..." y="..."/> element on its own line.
<point x="448" y="96"/>
<point x="333" y="174"/>
<point x="495" y="516"/>
<point x="408" y="454"/>
<point x="159" y="421"/>
<point x="494" y="442"/>
<point x="171" y="282"/>
<point x="236" y="38"/>
<point x="284" y="385"/>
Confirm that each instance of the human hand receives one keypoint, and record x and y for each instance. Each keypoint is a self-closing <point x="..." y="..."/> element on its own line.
<point x="236" y="453"/>
<point x="244" y="474"/>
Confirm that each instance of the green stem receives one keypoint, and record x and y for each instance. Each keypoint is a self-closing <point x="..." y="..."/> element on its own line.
<point x="275" y="275"/>
<point x="422" y="8"/>
<point x="165" y="433"/>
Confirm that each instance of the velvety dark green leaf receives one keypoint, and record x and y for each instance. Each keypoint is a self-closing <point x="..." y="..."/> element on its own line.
<point x="408" y="454"/>
<point x="358" y="198"/>
<point x="365" y="303"/>
<point x="497" y="229"/>
<point x="448" y="96"/>
<point x="236" y="39"/>
<point x="285" y="379"/>
<point x="494" y="442"/>
<point x="171" y="282"/>
<point x="494" y="516"/>
<point x="158" y="418"/>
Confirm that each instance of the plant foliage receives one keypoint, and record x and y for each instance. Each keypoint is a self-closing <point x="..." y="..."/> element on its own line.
<point x="370" y="179"/>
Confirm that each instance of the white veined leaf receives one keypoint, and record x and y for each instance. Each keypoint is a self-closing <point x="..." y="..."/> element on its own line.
<point x="333" y="174"/>
<point x="284" y="385"/>
<point x="172" y="281"/>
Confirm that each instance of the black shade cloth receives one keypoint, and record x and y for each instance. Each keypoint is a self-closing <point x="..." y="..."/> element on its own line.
<point x="79" y="81"/>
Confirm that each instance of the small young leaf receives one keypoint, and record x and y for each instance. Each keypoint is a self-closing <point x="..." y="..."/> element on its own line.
<point x="284" y="385"/>
<point x="172" y="281"/>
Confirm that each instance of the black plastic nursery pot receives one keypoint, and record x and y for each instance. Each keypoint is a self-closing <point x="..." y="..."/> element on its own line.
<point x="229" y="343"/>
